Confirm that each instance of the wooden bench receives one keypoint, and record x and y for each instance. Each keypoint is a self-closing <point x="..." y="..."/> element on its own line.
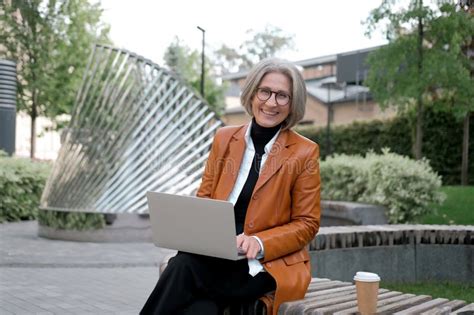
<point x="327" y="296"/>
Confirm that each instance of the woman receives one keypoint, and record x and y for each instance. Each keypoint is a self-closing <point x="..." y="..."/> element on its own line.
<point x="271" y="175"/>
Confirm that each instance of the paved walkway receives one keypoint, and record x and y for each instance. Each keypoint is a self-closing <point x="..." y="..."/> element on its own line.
<point x="41" y="276"/>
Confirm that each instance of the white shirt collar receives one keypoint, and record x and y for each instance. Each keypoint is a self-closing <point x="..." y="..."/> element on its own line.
<point x="268" y="146"/>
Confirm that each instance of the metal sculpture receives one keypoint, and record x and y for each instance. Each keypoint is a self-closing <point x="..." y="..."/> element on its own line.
<point x="135" y="127"/>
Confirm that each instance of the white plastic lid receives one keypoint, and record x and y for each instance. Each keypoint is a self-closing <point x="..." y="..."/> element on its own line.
<point x="366" y="276"/>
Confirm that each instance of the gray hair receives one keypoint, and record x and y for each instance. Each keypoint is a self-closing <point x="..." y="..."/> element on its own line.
<point x="298" y="88"/>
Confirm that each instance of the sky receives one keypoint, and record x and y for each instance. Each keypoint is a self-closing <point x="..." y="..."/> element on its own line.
<point x="318" y="27"/>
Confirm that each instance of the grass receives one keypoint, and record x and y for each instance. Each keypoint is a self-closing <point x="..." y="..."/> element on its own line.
<point x="448" y="290"/>
<point x="458" y="208"/>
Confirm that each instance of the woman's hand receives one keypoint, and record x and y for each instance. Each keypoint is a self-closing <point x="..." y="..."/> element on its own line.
<point x="248" y="245"/>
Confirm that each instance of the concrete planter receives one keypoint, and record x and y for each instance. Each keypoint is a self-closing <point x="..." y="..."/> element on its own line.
<point x="337" y="213"/>
<point x="124" y="228"/>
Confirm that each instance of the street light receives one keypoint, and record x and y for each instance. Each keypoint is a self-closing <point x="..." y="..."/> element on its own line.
<point x="202" y="61"/>
<point x="328" y="123"/>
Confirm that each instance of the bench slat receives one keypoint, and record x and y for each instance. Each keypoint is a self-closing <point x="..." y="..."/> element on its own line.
<point x="417" y="309"/>
<point x="322" y="295"/>
<point x="392" y="307"/>
<point x="350" y="304"/>
<point x="338" y="290"/>
<point x="467" y="308"/>
<point x="327" y="285"/>
<point x="317" y="303"/>
<point x="446" y="308"/>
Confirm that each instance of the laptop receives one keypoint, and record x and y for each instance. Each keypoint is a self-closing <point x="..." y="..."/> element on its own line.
<point x="195" y="225"/>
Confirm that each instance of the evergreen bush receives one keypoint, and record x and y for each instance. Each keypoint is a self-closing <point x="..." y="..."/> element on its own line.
<point x="404" y="186"/>
<point x="21" y="184"/>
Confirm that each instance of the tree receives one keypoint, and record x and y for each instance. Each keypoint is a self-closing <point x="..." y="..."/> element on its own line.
<point x="51" y="42"/>
<point x="259" y="45"/>
<point x="451" y="36"/>
<point x="468" y="51"/>
<point x="186" y="64"/>
<point x="423" y="62"/>
<point x="396" y="75"/>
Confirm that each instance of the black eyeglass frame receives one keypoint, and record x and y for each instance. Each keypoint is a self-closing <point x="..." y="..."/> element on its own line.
<point x="276" y="96"/>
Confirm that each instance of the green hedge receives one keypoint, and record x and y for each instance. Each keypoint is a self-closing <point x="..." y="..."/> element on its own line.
<point x="21" y="184"/>
<point x="442" y="145"/>
<point x="407" y="188"/>
<point x="442" y="141"/>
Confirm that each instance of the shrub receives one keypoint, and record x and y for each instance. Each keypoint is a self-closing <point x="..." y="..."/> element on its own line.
<point x="21" y="184"/>
<point x="405" y="187"/>
<point x="344" y="177"/>
<point x="71" y="220"/>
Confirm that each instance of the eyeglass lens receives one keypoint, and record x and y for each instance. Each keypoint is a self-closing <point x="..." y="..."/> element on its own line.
<point x="281" y="98"/>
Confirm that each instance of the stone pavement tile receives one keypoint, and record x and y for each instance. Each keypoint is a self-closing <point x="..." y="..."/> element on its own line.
<point x="76" y="290"/>
<point x="41" y="276"/>
<point x="57" y="310"/>
<point x="21" y="246"/>
<point x="13" y="308"/>
<point x="5" y="311"/>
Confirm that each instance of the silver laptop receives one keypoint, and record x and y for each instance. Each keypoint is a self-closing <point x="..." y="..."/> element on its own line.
<point x="191" y="224"/>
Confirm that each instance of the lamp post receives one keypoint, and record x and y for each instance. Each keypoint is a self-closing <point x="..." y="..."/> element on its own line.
<point x="202" y="61"/>
<point x="328" y="123"/>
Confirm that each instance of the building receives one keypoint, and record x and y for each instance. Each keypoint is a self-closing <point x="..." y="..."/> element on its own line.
<point x="48" y="140"/>
<point x="335" y="90"/>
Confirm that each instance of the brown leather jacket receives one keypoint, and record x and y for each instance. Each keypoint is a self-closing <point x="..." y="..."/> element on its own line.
<point x="284" y="211"/>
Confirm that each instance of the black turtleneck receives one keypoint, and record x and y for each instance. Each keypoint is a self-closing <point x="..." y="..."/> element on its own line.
<point x="260" y="137"/>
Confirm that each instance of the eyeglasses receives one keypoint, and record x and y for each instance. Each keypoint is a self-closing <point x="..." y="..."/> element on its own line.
<point x="281" y="98"/>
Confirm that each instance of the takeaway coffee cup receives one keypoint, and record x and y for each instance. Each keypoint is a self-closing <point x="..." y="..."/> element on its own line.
<point x="367" y="287"/>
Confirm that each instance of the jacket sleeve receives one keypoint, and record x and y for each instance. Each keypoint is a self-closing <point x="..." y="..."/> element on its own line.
<point x="305" y="212"/>
<point x="207" y="181"/>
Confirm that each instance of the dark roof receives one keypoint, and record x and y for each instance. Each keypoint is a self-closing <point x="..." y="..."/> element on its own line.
<point x="302" y="63"/>
<point x="306" y="62"/>
<point x="236" y="75"/>
<point x="327" y="90"/>
<point x="316" y="61"/>
<point x="363" y="50"/>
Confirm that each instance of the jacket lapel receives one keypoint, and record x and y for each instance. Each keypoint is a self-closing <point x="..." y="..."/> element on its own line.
<point x="231" y="168"/>
<point x="278" y="155"/>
